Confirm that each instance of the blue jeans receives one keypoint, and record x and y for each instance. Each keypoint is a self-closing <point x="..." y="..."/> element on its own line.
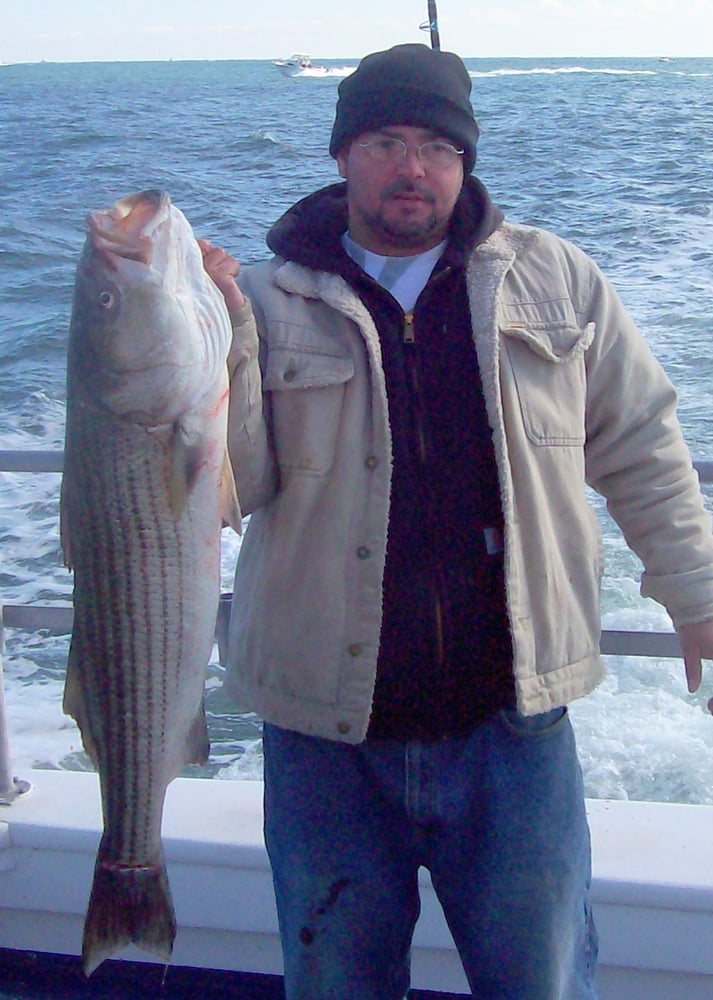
<point x="498" y="819"/>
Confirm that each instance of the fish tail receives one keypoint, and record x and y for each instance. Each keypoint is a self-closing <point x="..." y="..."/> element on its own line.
<point x="128" y="904"/>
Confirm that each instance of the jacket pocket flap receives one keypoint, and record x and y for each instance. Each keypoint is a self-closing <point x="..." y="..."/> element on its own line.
<point x="299" y="368"/>
<point x="556" y="342"/>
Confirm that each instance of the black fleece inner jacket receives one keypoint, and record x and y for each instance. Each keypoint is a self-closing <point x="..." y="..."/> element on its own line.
<point x="445" y="656"/>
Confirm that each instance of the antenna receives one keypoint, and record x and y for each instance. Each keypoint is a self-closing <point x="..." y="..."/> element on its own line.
<point x="432" y="25"/>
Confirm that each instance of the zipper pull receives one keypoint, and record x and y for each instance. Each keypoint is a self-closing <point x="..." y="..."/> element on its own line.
<point x="409" y="335"/>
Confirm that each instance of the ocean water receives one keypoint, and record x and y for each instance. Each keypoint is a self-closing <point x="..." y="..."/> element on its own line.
<point x="616" y="155"/>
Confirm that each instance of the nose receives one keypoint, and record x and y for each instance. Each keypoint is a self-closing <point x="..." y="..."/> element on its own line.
<point x="411" y="165"/>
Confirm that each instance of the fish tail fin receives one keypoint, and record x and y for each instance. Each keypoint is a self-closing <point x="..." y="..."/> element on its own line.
<point x="128" y="904"/>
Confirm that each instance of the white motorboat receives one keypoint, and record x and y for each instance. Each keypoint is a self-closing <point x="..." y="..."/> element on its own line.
<point x="299" y="65"/>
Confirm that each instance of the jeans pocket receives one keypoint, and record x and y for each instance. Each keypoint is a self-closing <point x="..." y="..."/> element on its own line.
<point x="534" y="726"/>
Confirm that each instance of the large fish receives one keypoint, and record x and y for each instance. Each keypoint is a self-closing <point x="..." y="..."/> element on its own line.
<point x="147" y="486"/>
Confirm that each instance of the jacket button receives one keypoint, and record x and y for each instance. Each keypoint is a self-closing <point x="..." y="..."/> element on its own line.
<point x="355" y="649"/>
<point x="363" y="552"/>
<point x="371" y="462"/>
<point x="290" y="375"/>
<point x="343" y="728"/>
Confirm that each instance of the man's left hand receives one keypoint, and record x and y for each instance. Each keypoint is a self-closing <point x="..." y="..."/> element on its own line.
<point x="696" y="644"/>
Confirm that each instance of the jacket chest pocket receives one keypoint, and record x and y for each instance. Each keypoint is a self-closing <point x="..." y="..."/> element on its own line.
<point x="548" y="370"/>
<point x="306" y="388"/>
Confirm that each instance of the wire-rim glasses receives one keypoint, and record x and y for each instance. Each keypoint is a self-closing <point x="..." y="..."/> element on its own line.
<point x="434" y="153"/>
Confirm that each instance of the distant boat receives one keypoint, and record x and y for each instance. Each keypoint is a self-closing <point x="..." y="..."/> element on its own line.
<point x="299" y="65"/>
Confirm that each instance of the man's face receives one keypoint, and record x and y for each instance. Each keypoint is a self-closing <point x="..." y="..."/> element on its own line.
<point x="403" y="207"/>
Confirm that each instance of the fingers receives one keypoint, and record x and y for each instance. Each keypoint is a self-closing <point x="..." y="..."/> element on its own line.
<point x="694" y="670"/>
<point x="216" y="260"/>
<point x="692" y="660"/>
<point x="223" y="269"/>
<point x="696" y="644"/>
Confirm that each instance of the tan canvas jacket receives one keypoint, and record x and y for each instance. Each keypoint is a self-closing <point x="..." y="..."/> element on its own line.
<point x="574" y="396"/>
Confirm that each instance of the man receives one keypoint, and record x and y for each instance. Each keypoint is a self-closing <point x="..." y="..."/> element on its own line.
<point x="420" y="392"/>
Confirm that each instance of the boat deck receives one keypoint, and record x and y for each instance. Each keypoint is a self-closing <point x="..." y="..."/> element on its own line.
<point x="652" y="895"/>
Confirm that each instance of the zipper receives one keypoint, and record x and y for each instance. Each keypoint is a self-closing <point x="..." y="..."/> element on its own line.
<point x="412" y="367"/>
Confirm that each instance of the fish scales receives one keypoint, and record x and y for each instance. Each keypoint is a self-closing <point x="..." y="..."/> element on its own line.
<point x="137" y="570"/>
<point x="146" y="488"/>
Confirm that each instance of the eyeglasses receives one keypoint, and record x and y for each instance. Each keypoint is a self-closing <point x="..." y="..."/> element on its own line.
<point x="434" y="153"/>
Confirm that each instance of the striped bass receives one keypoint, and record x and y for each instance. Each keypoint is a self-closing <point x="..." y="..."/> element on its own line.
<point x="147" y="486"/>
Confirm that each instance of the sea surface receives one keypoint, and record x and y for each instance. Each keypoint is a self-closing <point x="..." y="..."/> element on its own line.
<point x="616" y="155"/>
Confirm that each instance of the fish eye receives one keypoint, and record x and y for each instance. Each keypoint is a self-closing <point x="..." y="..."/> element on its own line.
<point x="106" y="300"/>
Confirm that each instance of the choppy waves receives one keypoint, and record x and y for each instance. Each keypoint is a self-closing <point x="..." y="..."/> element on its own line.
<point x="614" y="154"/>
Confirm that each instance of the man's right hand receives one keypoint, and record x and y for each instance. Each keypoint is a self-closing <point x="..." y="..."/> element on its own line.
<point x="223" y="269"/>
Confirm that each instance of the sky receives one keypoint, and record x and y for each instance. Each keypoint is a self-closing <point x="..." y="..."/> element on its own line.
<point x="89" y="30"/>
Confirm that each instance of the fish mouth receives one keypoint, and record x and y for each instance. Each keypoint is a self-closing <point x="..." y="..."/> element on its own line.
<point x="125" y="230"/>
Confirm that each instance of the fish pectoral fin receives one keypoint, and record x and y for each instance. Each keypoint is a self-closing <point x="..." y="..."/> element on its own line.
<point x="187" y="451"/>
<point x="230" y="504"/>
<point x="186" y="456"/>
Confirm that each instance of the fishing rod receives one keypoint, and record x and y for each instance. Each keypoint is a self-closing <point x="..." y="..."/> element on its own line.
<point x="432" y="25"/>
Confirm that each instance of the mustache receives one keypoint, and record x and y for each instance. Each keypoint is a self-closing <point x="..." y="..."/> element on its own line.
<point x="402" y="185"/>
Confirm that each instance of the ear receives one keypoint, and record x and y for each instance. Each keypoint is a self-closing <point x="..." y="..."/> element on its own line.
<point x="342" y="164"/>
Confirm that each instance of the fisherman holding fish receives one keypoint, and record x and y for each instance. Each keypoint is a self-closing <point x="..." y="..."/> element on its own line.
<point x="420" y="394"/>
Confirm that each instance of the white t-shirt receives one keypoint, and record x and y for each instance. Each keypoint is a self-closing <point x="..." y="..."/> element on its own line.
<point x="404" y="277"/>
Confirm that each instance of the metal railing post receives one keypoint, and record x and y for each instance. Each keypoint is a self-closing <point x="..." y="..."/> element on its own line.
<point x="10" y="787"/>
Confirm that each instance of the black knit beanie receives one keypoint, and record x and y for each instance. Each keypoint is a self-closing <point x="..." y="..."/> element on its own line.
<point x="408" y="85"/>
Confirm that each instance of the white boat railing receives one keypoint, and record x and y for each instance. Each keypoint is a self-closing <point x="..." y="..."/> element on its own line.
<point x="58" y="618"/>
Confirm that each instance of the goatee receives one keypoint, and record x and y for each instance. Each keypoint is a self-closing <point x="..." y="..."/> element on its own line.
<point x="404" y="234"/>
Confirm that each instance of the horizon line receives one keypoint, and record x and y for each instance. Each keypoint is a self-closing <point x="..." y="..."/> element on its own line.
<point x="269" y="59"/>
